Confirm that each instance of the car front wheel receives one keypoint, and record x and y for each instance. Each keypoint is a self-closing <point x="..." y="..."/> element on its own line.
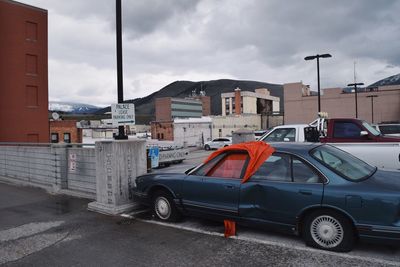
<point x="207" y="147"/>
<point x="164" y="208"/>
<point x="328" y="230"/>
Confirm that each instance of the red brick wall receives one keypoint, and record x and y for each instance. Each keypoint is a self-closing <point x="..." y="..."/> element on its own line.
<point x="162" y="130"/>
<point x="163" y="109"/>
<point x="23" y="73"/>
<point x="62" y="127"/>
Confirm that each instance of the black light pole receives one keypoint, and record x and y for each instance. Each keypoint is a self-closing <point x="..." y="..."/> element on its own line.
<point x="319" y="87"/>
<point x="120" y="88"/>
<point x="355" y="92"/>
<point x="372" y="105"/>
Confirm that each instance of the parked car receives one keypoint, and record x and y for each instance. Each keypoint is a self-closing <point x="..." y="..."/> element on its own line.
<point x="259" y="133"/>
<point x="218" y="143"/>
<point x="391" y="129"/>
<point x="320" y="192"/>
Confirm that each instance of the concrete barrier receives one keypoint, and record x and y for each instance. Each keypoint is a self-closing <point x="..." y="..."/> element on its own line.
<point x="118" y="163"/>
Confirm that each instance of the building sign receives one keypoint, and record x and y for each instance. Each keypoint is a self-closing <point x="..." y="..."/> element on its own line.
<point x="72" y="162"/>
<point x="123" y="114"/>
<point x="154" y="156"/>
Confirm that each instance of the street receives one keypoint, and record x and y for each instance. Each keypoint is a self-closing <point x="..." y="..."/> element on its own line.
<point x="39" y="229"/>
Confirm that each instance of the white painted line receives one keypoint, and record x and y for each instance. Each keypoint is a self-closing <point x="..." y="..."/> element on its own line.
<point x="274" y="243"/>
<point x="27" y="230"/>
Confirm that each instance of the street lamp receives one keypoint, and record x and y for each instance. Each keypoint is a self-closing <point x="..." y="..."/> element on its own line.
<point x="372" y="105"/>
<point x="319" y="89"/>
<point x="355" y="92"/>
<point x="120" y="88"/>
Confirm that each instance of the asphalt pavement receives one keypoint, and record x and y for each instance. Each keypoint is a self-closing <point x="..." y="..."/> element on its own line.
<point x="39" y="229"/>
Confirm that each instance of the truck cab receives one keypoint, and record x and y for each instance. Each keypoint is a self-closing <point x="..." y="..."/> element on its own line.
<point x="353" y="130"/>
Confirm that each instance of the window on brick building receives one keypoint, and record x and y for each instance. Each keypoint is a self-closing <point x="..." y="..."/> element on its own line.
<point x="54" y="137"/>
<point x="67" y="138"/>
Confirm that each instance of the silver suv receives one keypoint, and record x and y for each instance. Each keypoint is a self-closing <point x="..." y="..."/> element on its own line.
<point x="218" y="143"/>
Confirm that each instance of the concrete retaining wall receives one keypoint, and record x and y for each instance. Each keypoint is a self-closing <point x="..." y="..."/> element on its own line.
<point x="57" y="167"/>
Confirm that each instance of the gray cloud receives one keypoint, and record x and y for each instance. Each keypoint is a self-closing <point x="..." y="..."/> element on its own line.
<point x="167" y="40"/>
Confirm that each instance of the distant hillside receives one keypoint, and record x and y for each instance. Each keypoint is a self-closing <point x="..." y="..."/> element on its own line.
<point x="73" y="108"/>
<point x="145" y="110"/>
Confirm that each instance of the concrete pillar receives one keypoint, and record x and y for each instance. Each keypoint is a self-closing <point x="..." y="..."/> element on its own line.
<point x="223" y="106"/>
<point x="230" y="106"/>
<point x="61" y="161"/>
<point x="242" y="135"/>
<point x="118" y="163"/>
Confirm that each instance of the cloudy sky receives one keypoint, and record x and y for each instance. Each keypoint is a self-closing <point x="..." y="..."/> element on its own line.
<point x="262" y="40"/>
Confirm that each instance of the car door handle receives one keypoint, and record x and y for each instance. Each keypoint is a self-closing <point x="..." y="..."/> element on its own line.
<point x="229" y="186"/>
<point x="305" y="192"/>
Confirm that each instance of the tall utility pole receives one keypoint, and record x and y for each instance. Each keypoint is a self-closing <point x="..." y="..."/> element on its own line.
<point x="319" y="89"/>
<point x="355" y="93"/>
<point x="372" y="105"/>
<point x="120" y="87"/>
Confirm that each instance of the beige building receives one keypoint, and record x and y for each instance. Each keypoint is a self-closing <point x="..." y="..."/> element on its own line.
<point x="225" y="125"/>
<point x="258" y="102"/>
<point x="380" y="104"/>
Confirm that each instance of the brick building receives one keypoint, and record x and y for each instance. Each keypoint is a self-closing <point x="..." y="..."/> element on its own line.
<point x="65" y="132"/>
<point x="23" y="73"/>
<point x="169" y="108"/>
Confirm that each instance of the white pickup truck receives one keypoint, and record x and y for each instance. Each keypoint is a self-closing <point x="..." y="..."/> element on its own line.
<point x="380" y="154"/>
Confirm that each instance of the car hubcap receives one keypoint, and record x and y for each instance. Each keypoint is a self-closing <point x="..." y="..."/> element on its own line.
<point x="326" y="231"/>
<point x="162" y="208"/>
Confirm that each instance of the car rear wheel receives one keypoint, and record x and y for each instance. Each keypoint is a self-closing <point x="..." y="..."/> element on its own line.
<point x="164" y="208"/>
<point x="207" y="147"/>
<point x="328" y="230"/>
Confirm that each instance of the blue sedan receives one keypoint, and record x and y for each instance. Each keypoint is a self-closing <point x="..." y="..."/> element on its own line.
<point x="322" y="193"/>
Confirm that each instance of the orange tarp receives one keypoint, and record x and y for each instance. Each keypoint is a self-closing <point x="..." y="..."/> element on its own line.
<point x="258" y="152"/>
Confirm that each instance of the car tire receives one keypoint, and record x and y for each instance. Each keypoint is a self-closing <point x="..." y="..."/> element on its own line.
<point x="328" y="230"/>
<point x="207" y="147"/>
<point x="164" y="208"/>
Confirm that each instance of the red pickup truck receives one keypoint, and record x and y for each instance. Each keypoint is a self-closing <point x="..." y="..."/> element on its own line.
<point x="352" y="130"/>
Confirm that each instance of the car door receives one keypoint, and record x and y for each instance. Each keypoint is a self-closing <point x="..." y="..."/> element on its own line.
<point x="214" y="187"/>
<point x="215" y="143"/>
<point x="280" y="189"/>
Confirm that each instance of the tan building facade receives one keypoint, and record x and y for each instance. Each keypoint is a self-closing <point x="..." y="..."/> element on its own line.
<point x="258" y="102"/>
<point x="380" y="105"/>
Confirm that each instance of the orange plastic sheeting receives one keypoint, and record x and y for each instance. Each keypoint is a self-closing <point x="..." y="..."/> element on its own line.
<point x="258" y="152"/>
<point x="230" y="228"/>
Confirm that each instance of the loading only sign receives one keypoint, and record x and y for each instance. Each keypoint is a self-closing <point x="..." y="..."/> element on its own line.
<point x="123" y="114"/>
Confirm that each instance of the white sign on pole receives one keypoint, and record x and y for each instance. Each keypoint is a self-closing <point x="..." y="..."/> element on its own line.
<point x="123" y="114"/>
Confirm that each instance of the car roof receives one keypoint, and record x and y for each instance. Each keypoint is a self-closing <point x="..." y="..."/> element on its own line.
<point x="294" y="147"/>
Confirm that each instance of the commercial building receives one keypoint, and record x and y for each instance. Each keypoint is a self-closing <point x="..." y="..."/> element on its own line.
<point x="225" y="125"/>
<point x="246" y="102"/>
<point x="23" y="73"/>
<point x="168" y="108"/>
<point x="375" y="104"/>
<point x="192" y="131"/>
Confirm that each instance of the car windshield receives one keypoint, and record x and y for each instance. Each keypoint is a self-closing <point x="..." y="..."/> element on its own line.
<point x="371" y="129"/>
<point x="344" y="164"/>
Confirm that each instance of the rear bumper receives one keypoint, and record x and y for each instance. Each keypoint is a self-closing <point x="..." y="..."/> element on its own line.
<point x="380" y="234"/>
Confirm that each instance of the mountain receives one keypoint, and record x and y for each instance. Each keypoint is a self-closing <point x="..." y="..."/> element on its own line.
<point x="392" y="80"/>
<point x="145" y="110"/>
<point x="74" y="108"/>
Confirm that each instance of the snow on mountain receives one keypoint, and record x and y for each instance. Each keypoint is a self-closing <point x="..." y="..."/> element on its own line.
<point x="72" y="107"/>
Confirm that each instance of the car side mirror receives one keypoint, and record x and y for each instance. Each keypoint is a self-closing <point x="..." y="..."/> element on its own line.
<point x="286" y="139"/>
<point x="363" y="133"/>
